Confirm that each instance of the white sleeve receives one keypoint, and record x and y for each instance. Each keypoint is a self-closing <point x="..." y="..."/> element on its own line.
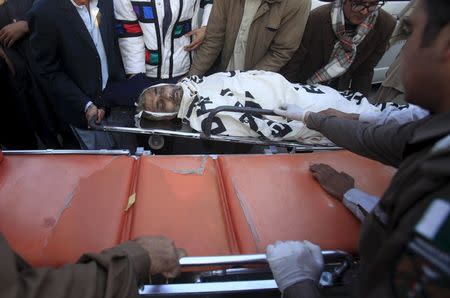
<point x="131" y="39"/>
<point x="207" y="6"/>
<point x="401" y="114"/>
<point x="359" y="202"/>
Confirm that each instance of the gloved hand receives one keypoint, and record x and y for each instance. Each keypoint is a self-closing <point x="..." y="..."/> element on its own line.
<point x="293" y="261"/>
<point x="293" y="112"/>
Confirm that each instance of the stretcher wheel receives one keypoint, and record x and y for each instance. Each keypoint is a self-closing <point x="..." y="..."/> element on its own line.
<point x="156" y="142"/>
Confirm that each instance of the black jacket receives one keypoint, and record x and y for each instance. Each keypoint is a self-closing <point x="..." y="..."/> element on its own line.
<point x="67" y="58"/>
<point x="14" y="10"/>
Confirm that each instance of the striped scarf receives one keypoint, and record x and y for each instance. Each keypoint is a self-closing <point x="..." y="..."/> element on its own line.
<point x="344" y="51"/>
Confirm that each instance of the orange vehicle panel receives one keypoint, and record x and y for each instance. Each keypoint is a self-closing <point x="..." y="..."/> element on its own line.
<point x="55" y="208"/>
<point x="182" y="198"/>
<point x="276" y="198"/>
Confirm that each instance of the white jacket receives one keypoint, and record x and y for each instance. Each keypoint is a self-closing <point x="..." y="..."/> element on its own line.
<point x="144" y="49"/>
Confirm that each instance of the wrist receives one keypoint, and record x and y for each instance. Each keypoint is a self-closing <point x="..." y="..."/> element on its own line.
<point x="24" y="26"/>
<point x="306" y="287"/>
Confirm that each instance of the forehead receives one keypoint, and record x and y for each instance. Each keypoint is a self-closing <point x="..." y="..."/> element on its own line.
<point x="150" y="94"/>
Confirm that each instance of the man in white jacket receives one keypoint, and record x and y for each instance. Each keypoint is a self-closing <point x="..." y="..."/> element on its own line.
<point x="157" y="37"/>
<point x="194" y="97"/>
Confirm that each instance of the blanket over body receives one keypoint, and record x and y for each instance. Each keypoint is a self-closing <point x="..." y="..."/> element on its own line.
<point x="264" y="90"/>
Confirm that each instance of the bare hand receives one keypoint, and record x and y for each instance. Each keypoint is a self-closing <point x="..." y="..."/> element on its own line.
<point x="13" y="32"/>
<point x="199" y="34"/>
<point x="92" y="112"/>
<point x="333" y="182"/>
<point x="163" y="255"/>
<point x="339" y="114"/>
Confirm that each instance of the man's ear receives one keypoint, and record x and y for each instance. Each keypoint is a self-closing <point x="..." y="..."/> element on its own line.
<point x="443" y="44"/>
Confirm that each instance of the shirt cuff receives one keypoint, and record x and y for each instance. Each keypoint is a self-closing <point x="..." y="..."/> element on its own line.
<point x="88" y="105"/>
<point x="359" y="202"/>
<point x="369" y="117"/>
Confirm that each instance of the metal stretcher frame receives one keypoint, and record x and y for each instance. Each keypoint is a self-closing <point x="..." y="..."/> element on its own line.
<point x="186" y="132"/>
<point x="229" y="287"/>
<point x="66" y="152"/>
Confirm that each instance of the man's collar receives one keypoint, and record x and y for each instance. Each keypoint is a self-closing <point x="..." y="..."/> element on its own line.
<point x="93" y="3"/>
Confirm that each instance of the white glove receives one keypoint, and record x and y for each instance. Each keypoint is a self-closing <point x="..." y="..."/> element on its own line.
<point x="293" y="261"/>
<point x="293" y="112"/>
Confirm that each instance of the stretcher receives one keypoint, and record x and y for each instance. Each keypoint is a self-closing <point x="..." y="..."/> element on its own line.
<point x="157" y="130"/>
<point x="224" y="210"/>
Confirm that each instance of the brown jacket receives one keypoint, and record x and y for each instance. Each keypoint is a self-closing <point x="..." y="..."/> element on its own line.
<point x="115" y="272"/>
<point x="318" y="43"/>
<point x="274" y="35"/>
<point x="422" y="176"/>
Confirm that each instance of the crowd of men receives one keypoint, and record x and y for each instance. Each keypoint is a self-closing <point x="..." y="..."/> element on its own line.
<point x="67" y="62"/>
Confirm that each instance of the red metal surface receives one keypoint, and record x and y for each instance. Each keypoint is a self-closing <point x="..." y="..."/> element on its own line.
<point x="55" y="208"/>
<point x="182" y="198"/>
<point x="276" y="198"/>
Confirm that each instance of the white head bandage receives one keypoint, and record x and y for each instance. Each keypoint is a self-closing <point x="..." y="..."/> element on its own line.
<point x="154" y="115"/>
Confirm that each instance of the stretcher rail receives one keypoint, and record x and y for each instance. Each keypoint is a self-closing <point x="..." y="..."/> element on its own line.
<point x="177" y="129"/>
<point x="238" y="287"/>
<point x="329" y="256"/>
<point x="66" y="152"/>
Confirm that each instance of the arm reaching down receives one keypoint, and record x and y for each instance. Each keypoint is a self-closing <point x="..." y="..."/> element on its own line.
<point x="115" y="272"/>
<point x="342" y="187"/>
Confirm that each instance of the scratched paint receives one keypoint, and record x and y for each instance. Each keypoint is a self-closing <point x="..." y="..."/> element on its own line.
<point x="196" y="171"/>
<point x="245" y="208"/>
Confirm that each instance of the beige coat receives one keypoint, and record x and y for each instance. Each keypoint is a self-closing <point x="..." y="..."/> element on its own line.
<point x="274" y="36"/>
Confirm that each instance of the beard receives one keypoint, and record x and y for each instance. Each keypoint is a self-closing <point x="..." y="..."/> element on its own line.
<point x="177" y="96"/>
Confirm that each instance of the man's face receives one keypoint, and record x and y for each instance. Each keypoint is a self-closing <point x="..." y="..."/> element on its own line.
<point x="356" y="11"/>
<point x="163" y="99"/>
<point x="421" y="65"/>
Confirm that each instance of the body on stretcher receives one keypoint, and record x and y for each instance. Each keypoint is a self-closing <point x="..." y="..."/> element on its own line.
<point x="178" y="129"/>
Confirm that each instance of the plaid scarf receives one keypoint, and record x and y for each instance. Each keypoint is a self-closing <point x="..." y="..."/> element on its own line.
<point x="344" y="51"/>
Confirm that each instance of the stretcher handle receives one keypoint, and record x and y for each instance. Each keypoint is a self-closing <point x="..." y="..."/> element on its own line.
<point x="328" y="255"/>
<point x="214" y="112"/>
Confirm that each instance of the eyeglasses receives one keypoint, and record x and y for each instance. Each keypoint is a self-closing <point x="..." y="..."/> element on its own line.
<point x="358" y="6"/>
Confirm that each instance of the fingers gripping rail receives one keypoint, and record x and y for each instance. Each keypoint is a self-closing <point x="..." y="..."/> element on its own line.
<point x="328" y="278"/>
